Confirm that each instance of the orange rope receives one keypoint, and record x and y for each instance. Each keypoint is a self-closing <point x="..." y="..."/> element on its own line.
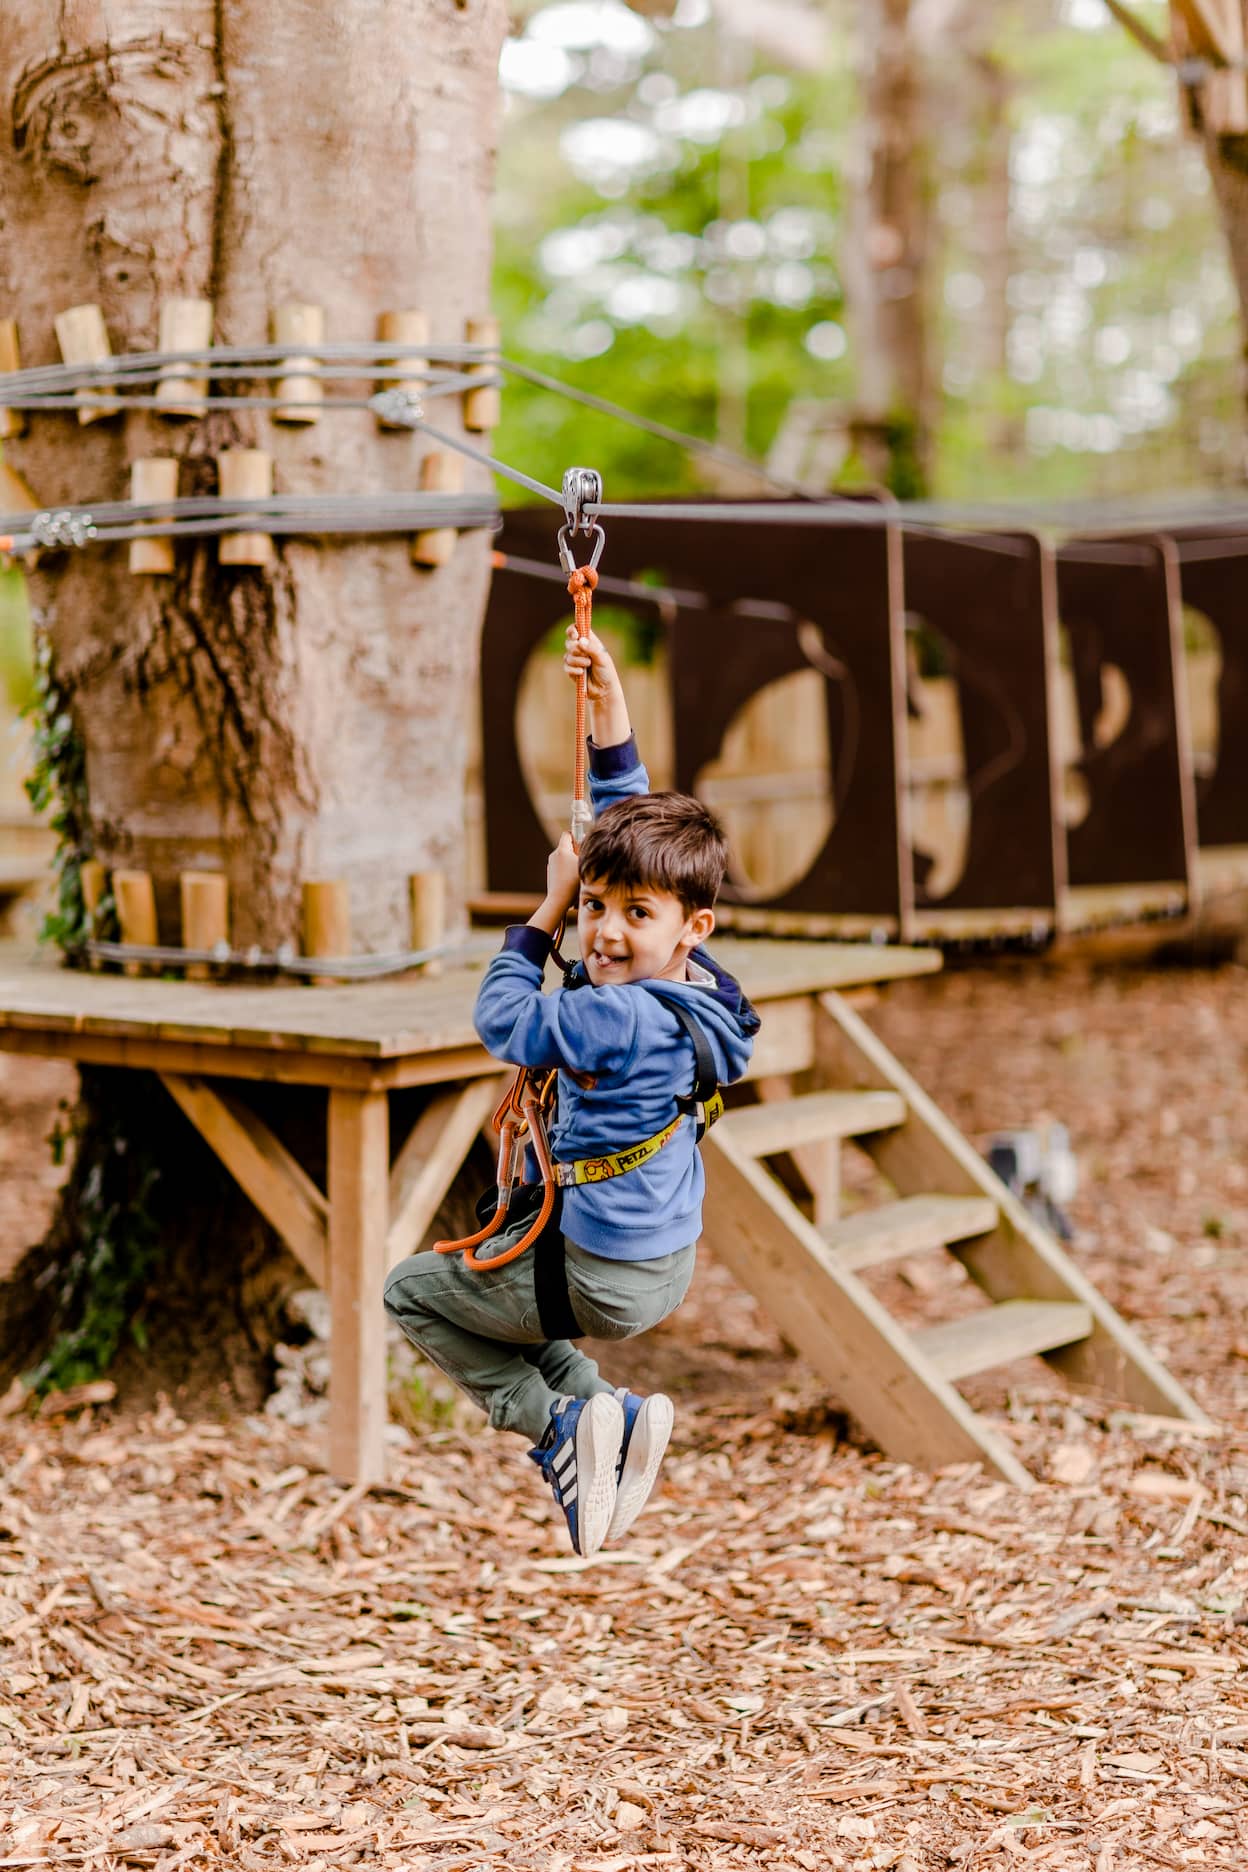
<point x="521" y="1118"/>
<point x="581" y="586"/>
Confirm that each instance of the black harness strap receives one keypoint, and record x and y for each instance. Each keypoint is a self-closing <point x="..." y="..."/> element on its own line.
<point x="550" y="1282"/>
<point x="705" y="1078"/>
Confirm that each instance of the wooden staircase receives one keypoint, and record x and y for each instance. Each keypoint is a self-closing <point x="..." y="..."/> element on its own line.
<point x="900" y="1384"/>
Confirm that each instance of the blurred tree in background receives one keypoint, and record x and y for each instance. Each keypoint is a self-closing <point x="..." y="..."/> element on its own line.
<point x="680" y="200"/>
<point x="675" y="223"/>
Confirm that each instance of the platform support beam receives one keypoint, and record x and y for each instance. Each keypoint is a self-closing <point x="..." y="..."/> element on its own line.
<point x="359" y="1223"/>
<point x="261" y="1165"/>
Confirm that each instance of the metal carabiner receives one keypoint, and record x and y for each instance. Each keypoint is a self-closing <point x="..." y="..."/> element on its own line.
<point x="565" y="551"/>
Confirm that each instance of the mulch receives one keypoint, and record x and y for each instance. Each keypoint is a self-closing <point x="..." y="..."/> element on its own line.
<point x="808" y="1655"/>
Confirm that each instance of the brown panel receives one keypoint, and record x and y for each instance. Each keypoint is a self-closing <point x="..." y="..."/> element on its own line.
<point x="1213" y="577"/>
<point x="1119" y="601"/>
<point x="845" y="581"/>
<point x="990" y="599"/>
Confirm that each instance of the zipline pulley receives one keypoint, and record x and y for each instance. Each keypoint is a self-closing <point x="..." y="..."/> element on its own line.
<point x="582" y="487"/>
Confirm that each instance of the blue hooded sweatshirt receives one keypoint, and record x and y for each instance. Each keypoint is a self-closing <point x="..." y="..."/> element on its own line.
<point x="641" y="1058"/>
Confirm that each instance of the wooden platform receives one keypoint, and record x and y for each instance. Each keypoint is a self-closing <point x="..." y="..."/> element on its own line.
<point x="361" y="1042"/>
<point x="408" y="1030"/>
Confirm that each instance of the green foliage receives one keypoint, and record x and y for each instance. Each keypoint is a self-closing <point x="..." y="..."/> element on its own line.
<point x="57" y="785"/>
<point x="694" y="275"/>
<point x="423" y="1401"/>
<point x="686" y="290"/>
<point x="103" y="1280"/>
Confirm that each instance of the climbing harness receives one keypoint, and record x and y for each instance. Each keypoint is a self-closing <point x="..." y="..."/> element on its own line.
<point x="704" y="1105"/>
<point x="524" y="1115"/>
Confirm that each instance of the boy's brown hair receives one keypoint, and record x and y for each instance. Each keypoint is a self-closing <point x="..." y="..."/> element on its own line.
<point x="658" y="841"/>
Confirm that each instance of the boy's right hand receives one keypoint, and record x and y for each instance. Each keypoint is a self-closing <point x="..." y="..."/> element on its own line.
<point x="563" y="875"/>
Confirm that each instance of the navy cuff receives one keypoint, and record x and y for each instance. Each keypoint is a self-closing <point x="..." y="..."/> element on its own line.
<point x="608" y="763"/>
<point x="533" y="944"/>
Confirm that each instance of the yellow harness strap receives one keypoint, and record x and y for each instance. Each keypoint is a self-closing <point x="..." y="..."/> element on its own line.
<point x="618" y="1163"/>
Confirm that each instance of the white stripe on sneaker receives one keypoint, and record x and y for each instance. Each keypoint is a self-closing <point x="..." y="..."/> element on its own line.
<point x="652" y="1427"/>
<point x="599" y="1433"/>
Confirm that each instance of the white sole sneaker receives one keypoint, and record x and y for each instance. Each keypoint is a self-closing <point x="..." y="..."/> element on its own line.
<point x="646" y="1448"/>
<point x="599" y="1433"/>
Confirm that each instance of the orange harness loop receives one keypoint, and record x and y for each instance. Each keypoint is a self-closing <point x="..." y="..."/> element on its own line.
<point x="522" y="1116"/>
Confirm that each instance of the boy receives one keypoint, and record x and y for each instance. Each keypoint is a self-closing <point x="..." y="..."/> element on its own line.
<point x="644" y="884"/>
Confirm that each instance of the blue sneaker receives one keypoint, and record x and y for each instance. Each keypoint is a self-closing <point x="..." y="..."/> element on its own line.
<point x="579" y="1456"/>
<point x="647" y="1427"/>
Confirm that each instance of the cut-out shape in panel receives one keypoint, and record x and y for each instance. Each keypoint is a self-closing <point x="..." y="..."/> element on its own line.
<point x="989" y="600"/>
<point x="1213" y="577"/>
<point x="768" y="784"/>
<point x="1119" y="604"/>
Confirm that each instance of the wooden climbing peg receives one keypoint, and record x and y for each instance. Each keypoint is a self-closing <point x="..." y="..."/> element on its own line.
<point x="136" y="912"/>
<point x="326" y="919"/>
<point x="427" y="893"/>
<point x="482" y="404"/>
<point x="154" y="478"/>
<point x="12" y="421"/>
<point x="205" y="916"/>
<point x="83" y="338"/>
<point x="299" y="398"/>
<point x="185" y="325"/>
<point x="245" y="474"/>
<point x="441" y="472"/>
<point x="94" y="880"/>
<point x="404" y="328"/>
<point x="16" y="494"/>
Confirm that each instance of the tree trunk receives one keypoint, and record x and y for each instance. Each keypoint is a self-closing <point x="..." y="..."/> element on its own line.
<point x="1217" y="112"/>
<point x="885" y="273"/>
<point x="307" y="719"/>
<point x="1227" y="157"/>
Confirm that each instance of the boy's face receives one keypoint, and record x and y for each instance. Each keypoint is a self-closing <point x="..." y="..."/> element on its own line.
<point x="630" y="933"/>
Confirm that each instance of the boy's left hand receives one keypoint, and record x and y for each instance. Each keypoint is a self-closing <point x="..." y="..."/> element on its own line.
<point x="590" y="658"/>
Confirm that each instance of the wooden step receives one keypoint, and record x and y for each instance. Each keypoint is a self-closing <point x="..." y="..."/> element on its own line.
<point x="1014" y="1329"/>
<point x="783" y="1124"/>
<point x="911" y="1226"/>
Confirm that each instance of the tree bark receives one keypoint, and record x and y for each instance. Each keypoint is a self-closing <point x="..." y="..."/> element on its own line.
<point x="309" y="718"/>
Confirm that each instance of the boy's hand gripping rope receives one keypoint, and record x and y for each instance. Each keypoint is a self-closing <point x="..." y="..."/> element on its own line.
<point x="529" y="1101"/>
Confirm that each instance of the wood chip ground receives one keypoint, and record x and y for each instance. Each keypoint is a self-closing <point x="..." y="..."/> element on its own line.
<point x="213" y="1655"/>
